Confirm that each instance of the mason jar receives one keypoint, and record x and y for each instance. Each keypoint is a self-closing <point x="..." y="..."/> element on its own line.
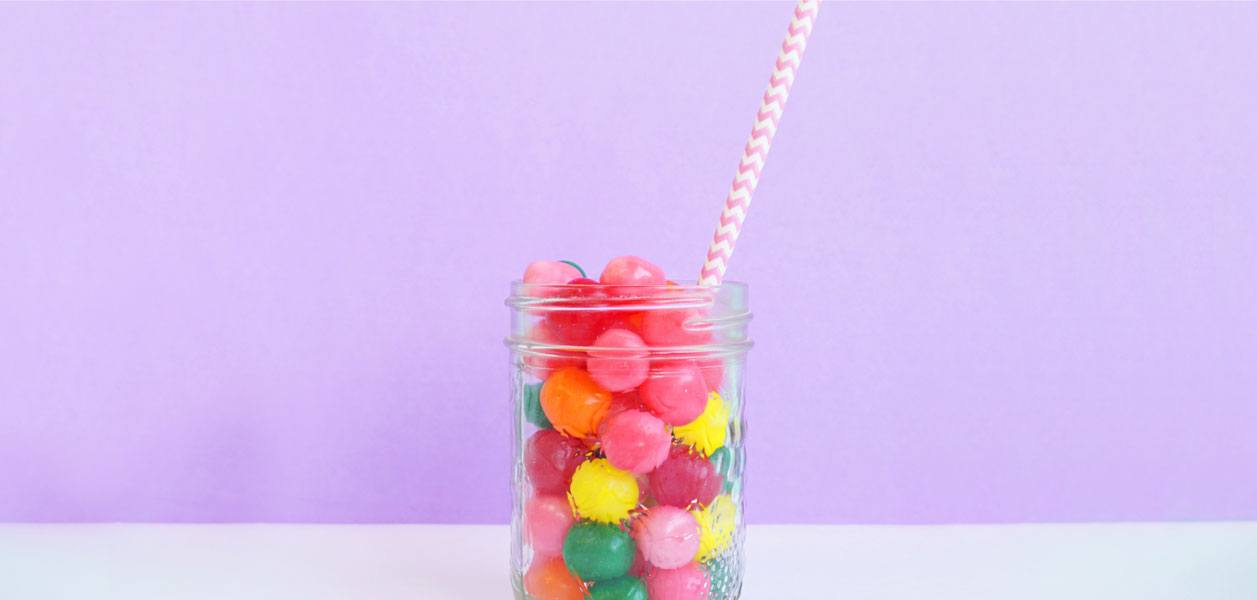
<point x="627" y="477"/>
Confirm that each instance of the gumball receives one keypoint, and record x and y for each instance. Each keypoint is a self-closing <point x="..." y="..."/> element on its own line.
<point x="532" y="406"/>
<point x="603" y="493"/>
<point x="713" y="372"/>
<point x="574" y="404"/>
<point x="598" y="551"/>
<point x="618" y="360"/>
<point x="675" y="391"/>
<point x="585" y="316"/>
<point x="550" y="459"/>
<point x="715" y="523"/>
<point x="628" y="587"/>
<point x="631" y="270"/>
<point x="688" y="582"/>
<point x="550" y="580"/>
<point x="547" y="519"/>
<point x="684" y="479"/>
<point x="667" y="536"/>
<point x="676" y="327"/>
<point x="549" y="360"/>
<point x="636" y="441"/>
<point x="708" y="431"/>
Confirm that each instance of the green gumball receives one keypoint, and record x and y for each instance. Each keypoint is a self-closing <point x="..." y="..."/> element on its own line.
<point x="598" y="551"/>
<point x="532" y="406"/>
<point x="620" y="588"/>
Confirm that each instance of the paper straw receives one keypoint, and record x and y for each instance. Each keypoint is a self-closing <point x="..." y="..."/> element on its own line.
<point x="756" y="151"/>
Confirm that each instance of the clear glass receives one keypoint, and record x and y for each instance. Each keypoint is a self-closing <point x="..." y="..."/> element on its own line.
<point x="628" y="465"/>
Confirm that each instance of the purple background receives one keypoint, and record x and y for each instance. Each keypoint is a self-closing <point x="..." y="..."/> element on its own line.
<point x="253" y="257"/>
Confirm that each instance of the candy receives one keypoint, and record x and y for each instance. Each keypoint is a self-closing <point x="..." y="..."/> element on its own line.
<point x="618" y="360"/>
<point x="631" y="270"/>
<point x="716" y="526"/>
<point x="636" y="441"/>
<point x="598" y="551"/>
<point x="602" y="492"/>
<point x="577" y="319"/>
<point x="675" y="391"/>
<point x="713" y="372"/>
<point x="532" y="406"/>
<point x="550" y="580"/>
<point x="684" y="479"/>
<point x="547" y="518"/>
<point x="542" y="366"/>
<point x="676" y="327"/>
<point x="550" y="459"/>
<point x="667" y="536"/>
<point x="574" y="404"/>
<point x="708" y="431"/>
<point x="628" y="587"/>
<point x="688" y="582"/>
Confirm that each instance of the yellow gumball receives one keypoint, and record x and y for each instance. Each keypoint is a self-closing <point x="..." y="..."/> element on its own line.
<point x="715" y="527"/>
<point x="603" y="493"/>
<point x="708" y="431"/>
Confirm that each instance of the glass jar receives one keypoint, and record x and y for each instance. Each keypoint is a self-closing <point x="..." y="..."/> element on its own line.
<point x="627" y="434"/>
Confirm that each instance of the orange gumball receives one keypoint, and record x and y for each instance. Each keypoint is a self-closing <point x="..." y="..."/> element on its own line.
<point x="550" y="580"/>
<point x="575" y="405"/>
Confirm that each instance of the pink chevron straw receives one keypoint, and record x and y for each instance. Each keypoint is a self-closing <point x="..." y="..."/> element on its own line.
<point x="756" y="151"/>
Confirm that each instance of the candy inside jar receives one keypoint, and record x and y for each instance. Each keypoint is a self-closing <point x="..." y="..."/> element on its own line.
<point x="627" y="401"/>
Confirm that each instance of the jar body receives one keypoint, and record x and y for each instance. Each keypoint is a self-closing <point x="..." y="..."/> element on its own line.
<point x="628" y="458"/>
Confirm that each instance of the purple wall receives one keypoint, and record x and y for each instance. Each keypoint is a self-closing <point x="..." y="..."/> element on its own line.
<point x="253" y="257"/>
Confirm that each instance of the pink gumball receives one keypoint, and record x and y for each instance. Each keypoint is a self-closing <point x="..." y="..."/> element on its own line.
<point x="688" y="582"/>
<point x="676" y="327"/>
<point x="667" y="536"/>
<point x="542" y="365"/>
<point x="631" y="270"/>
<point x="548" y="272"/>
<point x="713" y="372"/>
<point x="547" y="518"/>
<point x="618" y="360"/>
<point x="636" y="441"/>
<point x="675" y="391"/>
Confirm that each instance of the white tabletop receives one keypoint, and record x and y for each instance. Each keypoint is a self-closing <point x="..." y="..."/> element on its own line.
<point x="1145" y="561"/>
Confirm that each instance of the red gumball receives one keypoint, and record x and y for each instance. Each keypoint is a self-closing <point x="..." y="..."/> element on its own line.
<point x="580" y="313"/>
<point x="550" y="458"/>
<point x="685" y="479"/>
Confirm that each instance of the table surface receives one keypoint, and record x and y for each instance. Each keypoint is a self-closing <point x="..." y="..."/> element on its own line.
<point x="1145" y="561"/>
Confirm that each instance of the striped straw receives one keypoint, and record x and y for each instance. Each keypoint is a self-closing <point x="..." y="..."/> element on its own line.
<point x="756" y="151"/>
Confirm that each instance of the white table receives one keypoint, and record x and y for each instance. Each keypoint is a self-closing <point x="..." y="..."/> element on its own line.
<point x="1196" y="561"/>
